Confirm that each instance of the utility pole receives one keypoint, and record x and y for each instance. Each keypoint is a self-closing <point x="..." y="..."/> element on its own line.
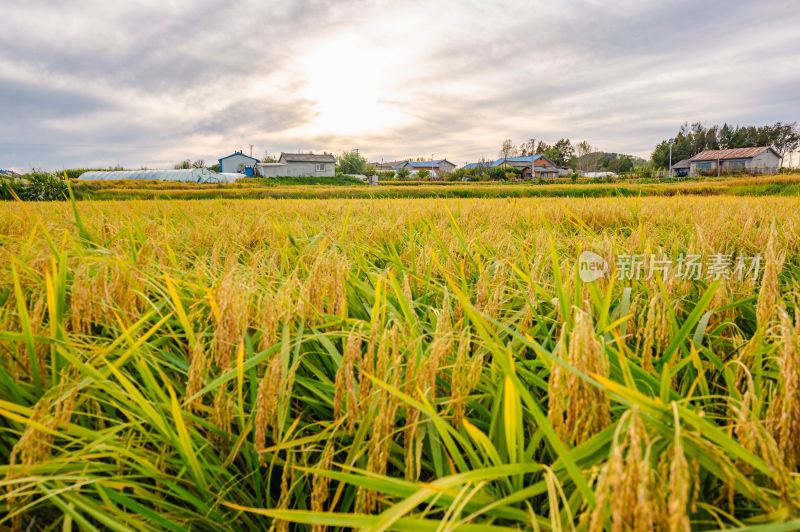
<point x="533" y="156"/>
<point x="251" y="150"/>
<point x="670" y="156"/>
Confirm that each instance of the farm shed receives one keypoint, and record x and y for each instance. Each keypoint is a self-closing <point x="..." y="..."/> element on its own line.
<point x="271" y="169"/>
<point x="437" y="168"/>
<point x="195" y="175"/>
<point x="681" y="168"/>
<point x="306" y="165"/>
<point x="761" y="160"/>
<point x="237" y="161"/>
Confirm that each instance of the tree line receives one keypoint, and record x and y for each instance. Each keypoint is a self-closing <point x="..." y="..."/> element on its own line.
<point x="693" y="139"/>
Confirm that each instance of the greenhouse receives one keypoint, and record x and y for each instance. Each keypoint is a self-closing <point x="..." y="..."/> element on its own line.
<point x="194" y="175"/>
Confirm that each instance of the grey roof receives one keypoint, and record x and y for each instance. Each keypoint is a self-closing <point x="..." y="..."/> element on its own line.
<point x="735" y="153"/>
<point x="681" y="164"/>
<point x="234" y="155"/>
<point x="307" y="158"/>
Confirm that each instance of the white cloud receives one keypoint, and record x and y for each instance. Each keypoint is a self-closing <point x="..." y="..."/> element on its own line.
<point x="99" y="83"/>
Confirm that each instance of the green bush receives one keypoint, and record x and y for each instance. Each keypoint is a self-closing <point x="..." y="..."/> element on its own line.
<point x="497" y="173"/>
<point x="36" y="186"/>
<point x="403" y="173"/>
<point x="424" y="174"/>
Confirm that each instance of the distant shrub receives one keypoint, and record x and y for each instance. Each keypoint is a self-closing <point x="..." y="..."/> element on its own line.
<point x="423" y="174"/>
<point x="388" y="175"/>
<point x="403" y="173"/>
<point x="497" y="173"/>
<point x="36" y="186"/>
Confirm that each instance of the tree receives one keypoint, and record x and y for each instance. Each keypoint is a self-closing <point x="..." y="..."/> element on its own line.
<point x="370" y="170"/>
<point x="403" y="173"/>
<point x="691" y="140"/>
<point x="423" y="174"/>
<point x="542" y="148"/>
<point x="582" y="149"/>
<point x="267" y="158"/>
<point x="785" y="139"/>
<point x="199" y="163"/>
<point x="508" y="149"/>
<point x="183" y="165"/>
<point x="352" y="163"/>
<point x="562" y="151"/>
<point x="527" y="148"/>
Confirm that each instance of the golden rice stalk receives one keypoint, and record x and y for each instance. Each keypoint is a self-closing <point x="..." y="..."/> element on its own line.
<point x="657" y="330"/>
<point x="784" y="409"/>
<point x="679" y="482"/>
<point x="754" y="437"/>
<point x="319" y="484"/>
<point x="383" y="425"/>
<point x="287" y="484"/>
<point x="223" y="413"/>
<point x="625" y="488"/>
<point x="198" y="364"/>
<point x="346" y="390"/>
<point x="232" y="296"/>
<point x="769" y="295"/>
<point x="577" y="409"/>
<point x="462" y="378"/>
<point x="267" y="403"/>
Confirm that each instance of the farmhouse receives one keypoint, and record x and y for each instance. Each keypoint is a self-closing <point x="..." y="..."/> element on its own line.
<point x="681" y="168"/>
<point x="299" y="165"/>
<point x="437" y="168"/>
<point x="238" y="162"/>
<point x="543" y="166"/>
<point x="762" y="160"/>
<point x="388" y="166"/>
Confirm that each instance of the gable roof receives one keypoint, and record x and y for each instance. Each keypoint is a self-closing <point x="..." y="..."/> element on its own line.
<point x="235" y="154"/>
<point x="485" y="164"/>
<point x="307" y="158"/>
<point x="388" y="165"/>
<point x="681" y="164"/>
<point x="427" y="164"/>
<point x="521" y="159"/>
<point x="736" y="153"/>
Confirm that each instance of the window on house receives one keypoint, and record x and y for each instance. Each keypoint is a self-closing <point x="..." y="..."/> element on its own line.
<point x="704" y="166"/>
<point x="320" y="167"/>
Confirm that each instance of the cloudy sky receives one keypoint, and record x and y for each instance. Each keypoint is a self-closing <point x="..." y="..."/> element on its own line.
<point x="106" y="82"/>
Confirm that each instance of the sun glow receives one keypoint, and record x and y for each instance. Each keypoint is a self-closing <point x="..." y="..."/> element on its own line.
<point x="352" y="83"/>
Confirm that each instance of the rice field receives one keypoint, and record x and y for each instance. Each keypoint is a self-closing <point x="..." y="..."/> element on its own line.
<point x="400" y="364"/>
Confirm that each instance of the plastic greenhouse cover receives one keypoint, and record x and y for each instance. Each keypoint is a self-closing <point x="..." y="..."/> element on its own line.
<point x="196" y="175"/>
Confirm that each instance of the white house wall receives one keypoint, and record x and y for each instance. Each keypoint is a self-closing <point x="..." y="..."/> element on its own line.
<point x="766" y="162"/>
<point x="301" y="169"/>
<point x="231" y="164"/>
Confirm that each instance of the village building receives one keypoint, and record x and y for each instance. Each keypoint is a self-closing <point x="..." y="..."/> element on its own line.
<point x="542" y="166"/>
<point x="299" y="165"/>
<point x="758" y="160"/>
<point x="681" y="168"/>
<point x="388" y="166"/>
<point x="438" y="168"/>
<point x="238" y="162"/>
